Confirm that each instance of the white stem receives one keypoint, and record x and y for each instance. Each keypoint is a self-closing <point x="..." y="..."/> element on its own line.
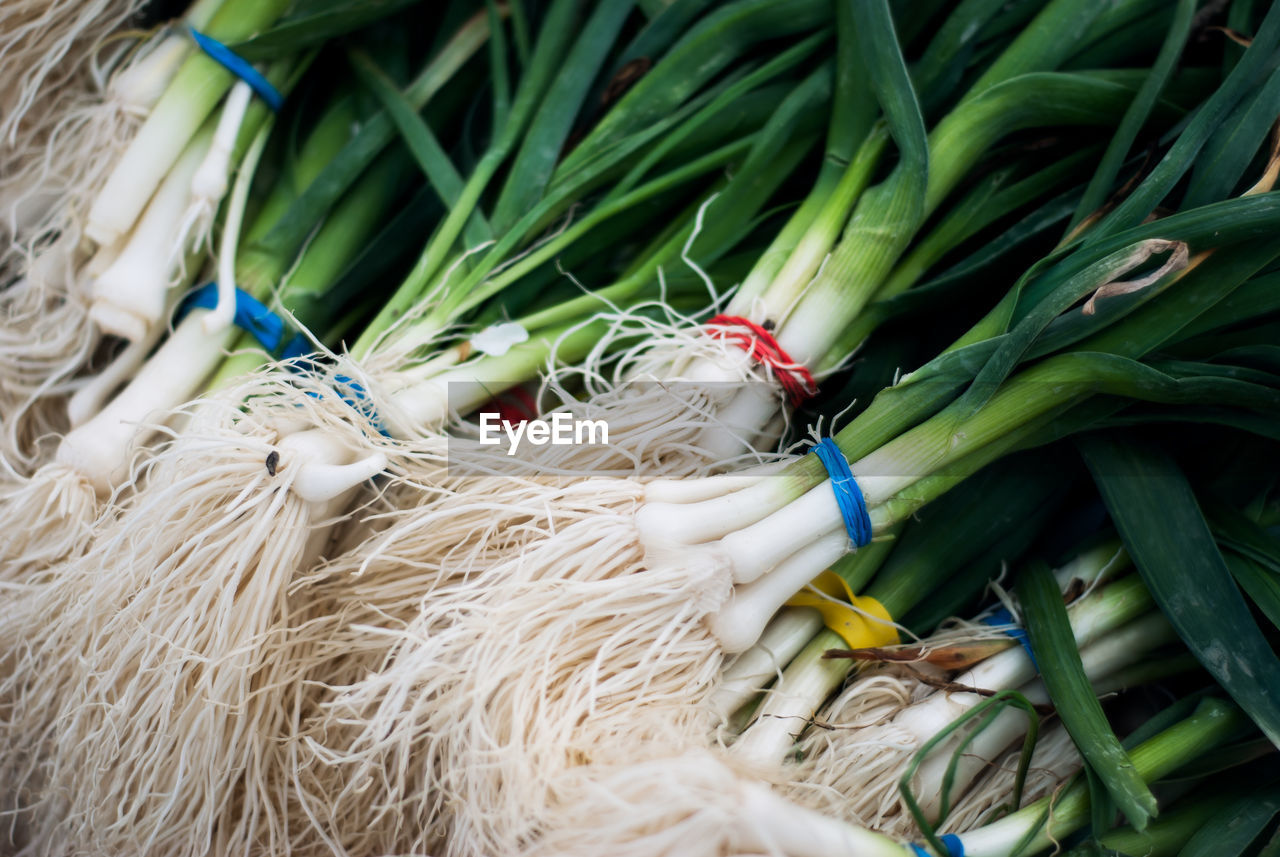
<point x="663" y="524"/>
<point x="759" y="547"/>
<point x="1000" y="838"/>
<point x="428" y="403"/>
<point x="807" y="334"/>
<point x="89" y="399"/>
<point x="776" y="825"/>
<point x="224" y="310"/>
<point x="209" y="184"/>
<point x="786" y="712"/>
<point x="138" y="87"/>
<point x="741" y="420"/>
<point x="129" y="297"/>
<point x="102" y="259"/>
<point x="1091" y="618"/>
<point x="740" y="424"/>
<point x="325" y="467"/>
<point x="1125" y="646"/>
<point x="741" y="621"/>
<point x="421" y="405"/>
<point x="1091" y="565"/>
<point x="727" y="367"/>
<point x="709" y="487"/>
<point x="150" y="156"/>
<point x="99" y="449"/>
<point x="805" y="686"/>
<point x="786" y="635"/>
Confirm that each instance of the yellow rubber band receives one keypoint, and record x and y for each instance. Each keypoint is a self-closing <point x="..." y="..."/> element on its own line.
<point x="861" y="621"/>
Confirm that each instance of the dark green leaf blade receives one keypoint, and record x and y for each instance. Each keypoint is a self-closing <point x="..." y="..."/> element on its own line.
<point x="1072" y="693"/>
<point x="1230" y="832"/>
<point x="314" y="22"/>
<point x="1134" y="118"/>
<point x="1170" y="543"/>
<point x="420" y="140"/>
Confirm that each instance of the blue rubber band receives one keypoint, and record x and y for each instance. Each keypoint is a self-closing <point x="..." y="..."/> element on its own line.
<point x="256" y="318"/>
<point x="1004" y="617"/>
<point x="350" y="391"/>
<point x="240" y="67"/>
<point x="853" y="506"/>
<point x="297" y="347"/>
<point x="954" y="847"/>
<point x="252" y="316"/>
<point x="361" y="402"/>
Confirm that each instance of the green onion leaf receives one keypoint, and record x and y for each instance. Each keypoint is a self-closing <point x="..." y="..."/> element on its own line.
<point x="1233" y="828"/>
<point x="1134" y="118"/>
<point x="1072" y="694"/>
<point x="313" y="22"/>
<point x="1171" y="544"/>
<point x="421" y="141"/>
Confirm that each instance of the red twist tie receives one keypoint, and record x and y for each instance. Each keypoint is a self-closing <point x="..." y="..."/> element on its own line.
<point x="797" y="381"/>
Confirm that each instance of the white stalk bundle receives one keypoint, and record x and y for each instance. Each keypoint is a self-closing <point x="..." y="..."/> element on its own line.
<point x="438" y="579"/>
<point x="671" y="400"/>
<point x="853" y="768"/>
<point x="46" y="185"/>
<point x="130" y="296"/>
<point x="179" y="626"/>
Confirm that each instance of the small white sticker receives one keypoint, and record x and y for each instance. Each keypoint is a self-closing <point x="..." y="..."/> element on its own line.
<point x="498" y="339"/>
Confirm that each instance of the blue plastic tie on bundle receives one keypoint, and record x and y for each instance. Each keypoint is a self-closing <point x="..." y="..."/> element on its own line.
<point x="260" y="321"/>
<point x="1013" y="629"/>
<point x="954" y="847"/>
<point x="361" y="402"/>
<point x="253" y="317"/>
<point x="853" y="506"/>
<point x="240" y="67"/>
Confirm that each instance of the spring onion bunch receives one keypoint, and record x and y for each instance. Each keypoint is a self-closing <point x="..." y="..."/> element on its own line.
<point x="80" y="577"/>
<point x="755" y="819"/>
<point x="239" y="538"/>
<point x="285" y="625"/>
<point x="45" y="193"/>
<point x="118" y="212"/>
<point x="1111" y="635"/>
<point x="663" y="585"/>
<point x="108" y="410"/>
<point x="422" y="355"/>
<point x="675" y="595"/>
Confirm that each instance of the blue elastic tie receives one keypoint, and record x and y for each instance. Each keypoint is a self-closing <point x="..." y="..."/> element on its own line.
<point x="252" y="316"/>
<point x="955" y="848"/>
<point x="853" y="506"/>
<point x="1004" y="617"/>
<point x="297" y="347"/>
<point x="240" y="67"/>
<point x="256" y="318"/>
<point x="360" y="401"/>
<point x="350" y="391"/>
